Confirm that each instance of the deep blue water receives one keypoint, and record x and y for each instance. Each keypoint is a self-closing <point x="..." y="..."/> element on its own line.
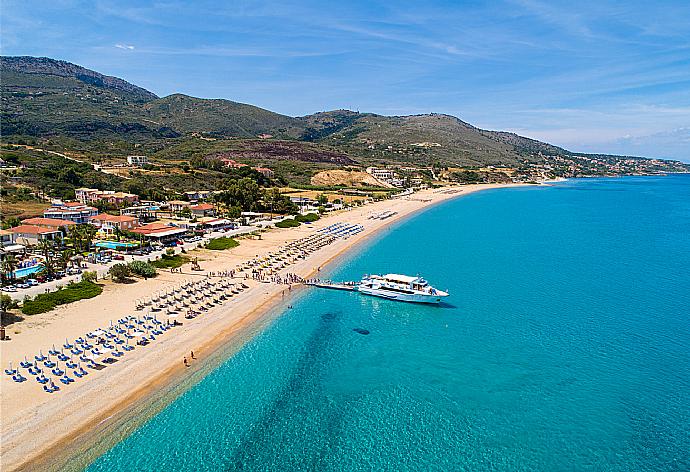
<point x="565" y="346"/>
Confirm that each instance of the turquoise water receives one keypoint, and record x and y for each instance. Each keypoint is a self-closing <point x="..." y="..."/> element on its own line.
<point x="565" y="346"/>
<point x="114" y="244"/>
<point x="27" y="271"/>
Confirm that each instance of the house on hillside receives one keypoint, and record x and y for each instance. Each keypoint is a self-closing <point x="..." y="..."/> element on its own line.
<point x="231" y="163"/>
<point x="265" y="171"/>
<point x="138" y="161"/>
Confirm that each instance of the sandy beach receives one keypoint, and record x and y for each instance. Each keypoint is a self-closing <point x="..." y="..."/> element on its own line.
<point x="40" y="430"/>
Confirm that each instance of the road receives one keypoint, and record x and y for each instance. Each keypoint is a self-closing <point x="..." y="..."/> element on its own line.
<point x="102" y="269"/>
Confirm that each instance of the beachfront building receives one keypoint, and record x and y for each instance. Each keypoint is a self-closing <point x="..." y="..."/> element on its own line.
<point x="109" y="224"/>
<point x="8" y="242"/>
<point x="160" y="232"/>
<point x="216" y="224"/>
<point x="31" y="235"/>
<point x="76" y="212"/>
<point x="138" y="161"/>
<point x="386" y="175"/>
<point x="203" y="209"/>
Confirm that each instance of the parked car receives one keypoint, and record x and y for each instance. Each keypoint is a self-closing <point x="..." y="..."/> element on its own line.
<point x="22" y="285"/>
<point x="72" y="271"/>
<point x="42" y="278"/>
<point x="32" y="282"/>
<point x="9" y="288"/>
<point x="118" y="257"/>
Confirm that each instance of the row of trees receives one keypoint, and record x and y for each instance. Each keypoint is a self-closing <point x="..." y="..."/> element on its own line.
<point x="246" y="195"/>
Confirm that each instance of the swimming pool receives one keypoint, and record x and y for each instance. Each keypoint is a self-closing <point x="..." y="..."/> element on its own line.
<point x="114" y="244"/>
<point x="27" y="271"/>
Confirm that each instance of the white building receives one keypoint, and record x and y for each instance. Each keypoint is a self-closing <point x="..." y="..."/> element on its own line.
<point x="137" y="160"/>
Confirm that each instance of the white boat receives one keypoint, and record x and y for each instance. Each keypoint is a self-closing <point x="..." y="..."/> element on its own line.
<point x="403" y="288"/>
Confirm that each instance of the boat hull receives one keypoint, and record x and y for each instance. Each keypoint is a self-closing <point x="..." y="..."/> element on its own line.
<point x="401" y="297"/>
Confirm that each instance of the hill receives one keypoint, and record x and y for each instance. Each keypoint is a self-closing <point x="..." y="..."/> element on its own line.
<point x="106" y="117"/>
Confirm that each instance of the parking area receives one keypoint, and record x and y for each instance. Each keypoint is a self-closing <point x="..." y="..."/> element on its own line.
<point x="103" y="264"/>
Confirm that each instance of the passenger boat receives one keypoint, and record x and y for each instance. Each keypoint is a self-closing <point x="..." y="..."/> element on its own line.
<point x="403" y="288"/>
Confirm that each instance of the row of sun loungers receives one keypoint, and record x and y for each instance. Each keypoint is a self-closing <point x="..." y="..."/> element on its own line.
<point x="191" y="298"/>
<point x="65" y="364"/>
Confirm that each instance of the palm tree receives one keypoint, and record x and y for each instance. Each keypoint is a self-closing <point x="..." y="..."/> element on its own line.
<point x="9" y="264"/>
<point x="89" y="232"/>
<point x="47" y="246"/>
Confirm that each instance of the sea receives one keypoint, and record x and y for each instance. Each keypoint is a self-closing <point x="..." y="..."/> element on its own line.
<point x="565" y="345"/>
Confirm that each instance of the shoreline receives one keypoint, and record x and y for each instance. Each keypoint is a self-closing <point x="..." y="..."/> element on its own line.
<point x="97" y="417"/>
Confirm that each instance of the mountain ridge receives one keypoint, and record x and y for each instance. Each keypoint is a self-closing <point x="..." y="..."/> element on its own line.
<point x="45" y="97"/>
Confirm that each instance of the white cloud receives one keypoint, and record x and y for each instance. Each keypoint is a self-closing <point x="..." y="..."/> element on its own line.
<point x="126" y="47"/>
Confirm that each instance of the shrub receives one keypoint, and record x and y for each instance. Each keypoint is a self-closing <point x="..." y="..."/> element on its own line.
<point x="288" y="223"/>
<point x="170" y="252"/>
<point x="309" y="217"/>
<point x="73" y="292"/>
<point x="142" y="269"/>
<point x="220" y="244"/>
<point x="120" y="272"/>
<point x="89" y="276"/>
<point x="170" y="262"/>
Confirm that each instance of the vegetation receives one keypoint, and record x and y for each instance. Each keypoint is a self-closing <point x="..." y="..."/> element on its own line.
<point x="170" y="261"/>
<point x="71" y="293"/>
<point x="89" y="276"/>
<point x="7" y="302"/>
<point x="60" y="106"/>
<point x="288" y="223"/>
<point x="142" y="269"/>
<point x="308" y="218"/>
<point x="220" y="244"/>
<point x="120" y="272"/>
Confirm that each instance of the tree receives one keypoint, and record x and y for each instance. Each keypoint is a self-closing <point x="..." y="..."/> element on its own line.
<point x="89" y="276"/>
<point x="9" y="264"/>
<point x="277" y="202"/>
<point x="82" y="236"/>
<point x="120" y="272"/>
<point x="244" y="193"/>
<point x="11" y="222"/>
<point x="47" y="248"/>
<point x="7" y="302"/>
<point x="322" y="199"/>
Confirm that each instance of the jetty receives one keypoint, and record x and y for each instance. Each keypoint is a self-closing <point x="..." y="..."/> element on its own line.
<point x="348" y="286"/>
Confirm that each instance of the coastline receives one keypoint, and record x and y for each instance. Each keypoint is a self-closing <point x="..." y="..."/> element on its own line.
<point x="93" y="415"/>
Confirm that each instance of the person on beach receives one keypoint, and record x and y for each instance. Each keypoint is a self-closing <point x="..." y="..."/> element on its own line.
<point x="192" y="355"/>
<point x="185" y="362"/>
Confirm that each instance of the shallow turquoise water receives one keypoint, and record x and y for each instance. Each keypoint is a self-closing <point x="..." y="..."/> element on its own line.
<point x="566" y="347"/>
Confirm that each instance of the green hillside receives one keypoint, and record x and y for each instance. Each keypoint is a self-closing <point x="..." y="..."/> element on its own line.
<point x="102" y="118"/>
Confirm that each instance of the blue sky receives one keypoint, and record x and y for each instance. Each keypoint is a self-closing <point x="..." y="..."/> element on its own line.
<point x="591" y="76"/>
